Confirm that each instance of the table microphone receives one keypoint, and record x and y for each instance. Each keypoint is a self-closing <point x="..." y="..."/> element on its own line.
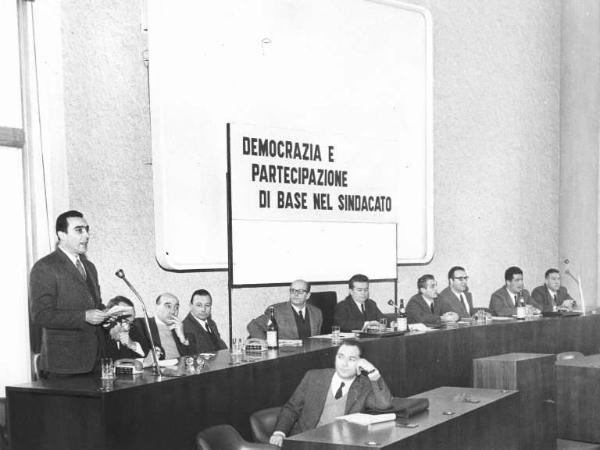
<point x="120" y="274"/>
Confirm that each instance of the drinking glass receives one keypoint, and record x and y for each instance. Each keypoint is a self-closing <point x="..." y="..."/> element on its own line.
<point x="107" y="367"/>
<point x="382" y="324"/>
<point x="335" y="334"/>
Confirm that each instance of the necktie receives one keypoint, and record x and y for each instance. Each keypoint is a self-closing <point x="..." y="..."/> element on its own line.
<point x="516" y="303"/>
<point x="362" y="308"/>
<point x="431" y="307"/>
<point x="208" y="328"/>
<point x="80" y="268"/>
<point x="554" y="299"/>
<point x="339" y="393"/>
<point x="301" y="316"/>
<point x="464" y="302"/>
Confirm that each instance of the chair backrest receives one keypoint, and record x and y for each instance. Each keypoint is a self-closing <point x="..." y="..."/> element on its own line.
<point x="568" y="355"/>
<point x="262" y="423"/>
<point x="326" y="302"/>
<point x="219" y="437"/>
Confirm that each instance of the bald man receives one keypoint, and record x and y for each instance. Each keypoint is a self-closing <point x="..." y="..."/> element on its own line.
<point x="295" y="318"/>
<point x="167" y="329"/>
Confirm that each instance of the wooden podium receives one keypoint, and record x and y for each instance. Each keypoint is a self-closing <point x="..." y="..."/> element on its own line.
<point x="532" y="374"/>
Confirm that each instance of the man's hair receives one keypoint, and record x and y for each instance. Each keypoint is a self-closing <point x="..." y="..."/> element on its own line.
<point x="304" y="281"/>
<point x="358" y="277"/>
<point x="550" y="272"/>
<point x="62" y="223"/>
<point x="511" y="272"/>
<point x="352" y="343"/>
<point x="422" y="281"/>
<point x="164" y="294"/>
<point x="202" y="293"/>
<point x="452" y="271"/>
<point x="118" y="300"/>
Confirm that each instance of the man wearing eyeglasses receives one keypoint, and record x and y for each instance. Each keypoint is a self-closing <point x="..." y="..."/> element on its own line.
<point x="296" y="318"/>
<point x="456" y="297"/>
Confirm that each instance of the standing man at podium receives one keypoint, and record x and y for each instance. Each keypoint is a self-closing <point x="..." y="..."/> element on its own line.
<point x="66" y="303"/>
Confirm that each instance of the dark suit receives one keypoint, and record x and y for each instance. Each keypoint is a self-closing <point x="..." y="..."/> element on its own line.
<point x="503" y="305"/>
<point x="286" y="322"/>
<point x="303" y="410"/>
<point x="203" y="343"/>
<point x="110" y="349"/>
<point x="540" y="298"/>
<point x="349" y="317"/>
<point x="59" y="298"/>
<point x="447" y="301"/>
<point x="183" y="350"/>
<point x="418" y="311"/>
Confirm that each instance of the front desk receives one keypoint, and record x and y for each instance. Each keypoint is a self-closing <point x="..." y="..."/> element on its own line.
<point x="146" y="412"/>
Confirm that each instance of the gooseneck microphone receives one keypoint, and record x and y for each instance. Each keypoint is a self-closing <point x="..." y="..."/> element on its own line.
<point x="120" y="274"/>
<point x="577" y="279"/>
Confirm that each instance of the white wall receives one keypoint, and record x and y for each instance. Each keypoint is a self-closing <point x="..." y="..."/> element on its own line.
<point x="496" y="134"/>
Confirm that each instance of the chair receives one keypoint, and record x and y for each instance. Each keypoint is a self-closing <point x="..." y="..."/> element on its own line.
<point x="225" y="437"/>
<point x="326" y="302"/>
<point x="262" y="423"/>
<point x="568" y="355"/>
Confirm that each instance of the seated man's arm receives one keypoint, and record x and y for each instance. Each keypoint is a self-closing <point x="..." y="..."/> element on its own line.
<point x="380" y="396"/>
<point x="291" y="410"/>
<point x="257" y="328"/>
<point x="497" y="306"/>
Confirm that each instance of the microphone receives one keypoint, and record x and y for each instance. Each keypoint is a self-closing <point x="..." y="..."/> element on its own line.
<point x="120" y="274"/>
<point x="577" y="280"/>
<point x="393" y="303"/>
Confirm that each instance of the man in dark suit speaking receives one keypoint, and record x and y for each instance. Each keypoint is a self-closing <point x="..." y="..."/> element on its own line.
<point x="66" y="303"/>
<point x="357" y="311"/>
<point x="324" y="394"/>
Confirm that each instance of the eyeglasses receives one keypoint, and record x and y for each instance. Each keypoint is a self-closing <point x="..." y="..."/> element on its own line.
<point x="298" y="291"/>
<point x="462" y="278"/>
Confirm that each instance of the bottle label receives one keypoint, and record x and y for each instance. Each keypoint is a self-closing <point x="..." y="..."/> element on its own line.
<point x="521" y="312"/>
<point x="402" y="323"/>
<point x="272" y="339"/>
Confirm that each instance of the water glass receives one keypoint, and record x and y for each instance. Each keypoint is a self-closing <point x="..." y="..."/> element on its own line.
<point x="383" y="324"/>
<point x="335" y="334"/>
<point x="237" y="346"/>
<point x="107" y="367"/>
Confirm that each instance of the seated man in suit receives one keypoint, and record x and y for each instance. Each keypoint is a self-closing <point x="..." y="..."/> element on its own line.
<point x="420" y="307"/>
<point x="324" y="394"/>
<point x="200" y="325"/>
<point x="504" y="301"/>
<point x="121" y="335"/>
<point x="357" y="311"/>
<point x="167" y="329"/>
<point x="551" y="296"/>
<point x="296" y="319"/>
<point x="456" y="297"/>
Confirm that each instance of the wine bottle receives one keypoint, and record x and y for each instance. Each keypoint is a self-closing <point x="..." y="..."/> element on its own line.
<point x="521" y="308"/>
<point x="272" y="331"/>
<point x="402" y="318"/>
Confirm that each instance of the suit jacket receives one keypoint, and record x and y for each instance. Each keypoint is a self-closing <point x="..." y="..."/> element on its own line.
<point x="183" y="350"/>
<point x="447" y="301"/>
<point x="349" y="317"/>
<point x="303" y="410"/>
<point x="540" y="298"/>
<point x="59" y="298"/>
<point x="502" y="305"/>
<point x="418" y="311"/>
<point x="286" y="321"/>
<point x="201" y="338"/>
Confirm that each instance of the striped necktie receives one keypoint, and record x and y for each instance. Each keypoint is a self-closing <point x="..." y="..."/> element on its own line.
<point x="81" y="269"/>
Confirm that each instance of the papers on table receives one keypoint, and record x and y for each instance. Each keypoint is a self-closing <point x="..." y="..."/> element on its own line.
<point x="367" y="419"/>
<point x="328" y="336"/>
<point x="290" y="342"/>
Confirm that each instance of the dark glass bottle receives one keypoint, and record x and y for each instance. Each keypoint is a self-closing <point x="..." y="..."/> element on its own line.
<point x="402" y="318"/>
<point x="272" y="331"/>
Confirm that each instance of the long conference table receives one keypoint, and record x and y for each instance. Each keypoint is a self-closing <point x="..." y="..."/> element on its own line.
<point x="149" y="412"/>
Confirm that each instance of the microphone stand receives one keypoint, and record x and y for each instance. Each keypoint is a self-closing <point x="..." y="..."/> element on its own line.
<point x="120" y="274"/>
<point x="577" y="280"/>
